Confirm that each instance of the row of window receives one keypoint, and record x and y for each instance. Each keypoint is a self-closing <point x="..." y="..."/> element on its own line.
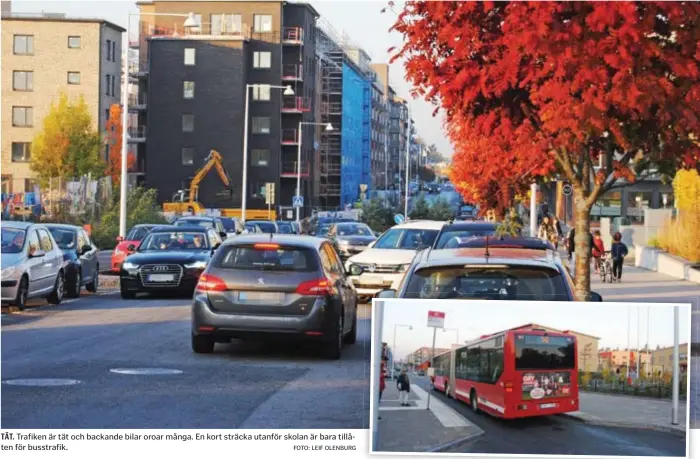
<point x="261" y="59"/>
<point x="111" y="50"/>
<point x="29" y="184"/>
<point x="233" y="23"/>
<point x="23" y="80"/>
<point x="23" y="45"/>
<point x="259" y="158"/>
<point x="259" y="124"/>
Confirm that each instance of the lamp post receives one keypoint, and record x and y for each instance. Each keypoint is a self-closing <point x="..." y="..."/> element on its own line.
<point x="454" y="330"/>
<point x="288" y="91"/>
<point x="410" y="327"/>
<point x="191" y="21"/>
<point x="408" y="155"/>
<point x="329" y="127"/>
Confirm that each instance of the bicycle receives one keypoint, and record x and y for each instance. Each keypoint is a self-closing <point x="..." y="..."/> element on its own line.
<point x="606" y="268"/>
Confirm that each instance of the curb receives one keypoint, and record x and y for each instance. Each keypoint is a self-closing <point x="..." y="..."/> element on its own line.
<point x="455" y="443"/>
<point x="628" y="425"/>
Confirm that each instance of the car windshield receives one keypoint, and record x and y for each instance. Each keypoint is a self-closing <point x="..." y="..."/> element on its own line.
<point x="496" y="282"/>
<point x="406" y="239"/>
<point x="323" y="229"/>
<point x="252" y="228"/>
<point x="285" y="227"/>
<point x="267" y="257"/>
<point x="229" y="225"/>
<point x="166" y="240"/>
<point x="138" y="233"/>
<point x="65" y="238"/>
<point x="353" y="229"/>
<point x="194" y="222"/>
<point x="452" y="239"/>
<point x="537" y="352"/>
<point x="12" y="240"/>
<point x="267" y="227"/>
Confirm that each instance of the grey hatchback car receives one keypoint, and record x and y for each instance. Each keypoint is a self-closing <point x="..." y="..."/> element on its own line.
<point x="275" y="286"/>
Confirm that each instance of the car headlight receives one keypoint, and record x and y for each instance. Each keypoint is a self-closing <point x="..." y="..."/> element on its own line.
<point x="343" y="242"/>
<point x="8" y="272"/>
<point x="197" y="265"/>
<point x="127" y="265"/>
<point x="404" y="268"/>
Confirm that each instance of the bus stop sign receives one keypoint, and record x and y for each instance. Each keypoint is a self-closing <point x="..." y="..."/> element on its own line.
<point x="436" y="319"/>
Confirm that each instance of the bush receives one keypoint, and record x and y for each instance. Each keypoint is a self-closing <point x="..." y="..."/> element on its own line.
<point x="654" y="242"/>
<point x="441" y="210"/>
<point x="421" y="209"/>
<point x="680" y="236"/>
<point x="376" y="216"/>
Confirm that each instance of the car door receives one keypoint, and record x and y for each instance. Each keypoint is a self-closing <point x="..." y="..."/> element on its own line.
<point x="53" y="259"/>
<point x="214" y="238"/>
<point x="89" y="258"/>
<point x="347" y="292"/>
<point x="35" y="266"/>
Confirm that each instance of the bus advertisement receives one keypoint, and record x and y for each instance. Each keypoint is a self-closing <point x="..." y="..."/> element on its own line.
<point x="517" y="373"/>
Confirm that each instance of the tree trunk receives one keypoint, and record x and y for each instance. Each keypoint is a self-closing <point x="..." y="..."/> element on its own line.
<point x="582" y="240"/>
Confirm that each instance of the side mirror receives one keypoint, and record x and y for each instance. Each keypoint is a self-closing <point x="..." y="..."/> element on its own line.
<point x="596" y="297"/>
<point x="85" y="249"/>
<point x="38" y="253"/>
<point x="386" y="293"/>
<point x="223" y="234"/>
<point x="355" y="270"/>
<point x="131" y="248"/>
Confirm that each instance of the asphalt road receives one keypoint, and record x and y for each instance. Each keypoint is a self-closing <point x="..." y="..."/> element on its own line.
<point x="558" y="435"/>
<point x="241" y="385"/>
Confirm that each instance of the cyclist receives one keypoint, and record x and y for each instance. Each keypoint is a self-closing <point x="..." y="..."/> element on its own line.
<point x="598" y="250"/>
<point x="619" y="251"/>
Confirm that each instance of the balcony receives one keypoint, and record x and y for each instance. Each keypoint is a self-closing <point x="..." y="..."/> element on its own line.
<point x="293" y="36"/>
<point x="293" y="104"/>
<point x="138" y="68"/>
<point x="330" y="189"/>
<point x="150" y="31"/>
<point x="330" y="169"/>
<point x="137" y="134"/>
<point x="137" y="102"/>
<point x="289" y="137"/>
<point x="331" y="108"/>
<point x="292" y="72"/>
<point x="289" y="169"/>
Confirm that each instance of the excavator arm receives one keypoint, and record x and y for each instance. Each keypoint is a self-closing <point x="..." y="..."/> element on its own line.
<point x="213" y="160"/>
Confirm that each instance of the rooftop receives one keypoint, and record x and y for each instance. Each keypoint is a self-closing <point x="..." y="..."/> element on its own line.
<point x="58" y="17"/>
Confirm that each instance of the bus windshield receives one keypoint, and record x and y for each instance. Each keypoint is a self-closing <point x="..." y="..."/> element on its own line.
<point x="537" y="352"/>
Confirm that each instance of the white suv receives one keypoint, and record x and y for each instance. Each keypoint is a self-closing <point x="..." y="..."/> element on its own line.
<point x="386" y="260"/>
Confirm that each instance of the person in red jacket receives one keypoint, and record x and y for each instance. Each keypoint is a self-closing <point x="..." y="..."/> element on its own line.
<point x="382" y="384"/>
<point x="598" y="250"/>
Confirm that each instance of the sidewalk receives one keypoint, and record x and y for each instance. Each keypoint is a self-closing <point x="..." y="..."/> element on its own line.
<point x="629" y="411"/>
<point x="415" y="428"/>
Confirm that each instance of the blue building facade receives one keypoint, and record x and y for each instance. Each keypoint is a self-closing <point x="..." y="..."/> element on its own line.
<point x="352" y="146"/>
<point x="367" y="134"/>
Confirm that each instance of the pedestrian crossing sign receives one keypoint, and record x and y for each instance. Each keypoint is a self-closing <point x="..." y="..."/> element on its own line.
<point x="298" y="201"/>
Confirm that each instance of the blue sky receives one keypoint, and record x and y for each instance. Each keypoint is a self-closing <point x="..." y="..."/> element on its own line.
<point x="361" y="20"/>
<point x="608" y="321"/>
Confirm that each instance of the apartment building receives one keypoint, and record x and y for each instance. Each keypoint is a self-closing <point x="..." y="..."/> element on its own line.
<point x="423" y="354"/>
<point x="43" y="56"/>
<point x="192" y="92"/>
<point x="398" y="125"/>
<point x="662" y="359"/>
<point x="616" y="359"/>
<point x="380" y="127"/>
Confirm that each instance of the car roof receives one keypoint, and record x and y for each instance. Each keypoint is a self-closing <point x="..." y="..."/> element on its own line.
<point x="508" y="242"/>
<point x="477" y="256"/>
<point x="17" y="224"/>
<point x="468" y="225"/>
<point x="62" y="226"/>
<point x="310" y="242"/>
<point x="178" y="229"/>
<point x="261" y="221"/>
<point x="196" y="217"/>
<point x="149" y="225"/>
<point x="421" y="224"/>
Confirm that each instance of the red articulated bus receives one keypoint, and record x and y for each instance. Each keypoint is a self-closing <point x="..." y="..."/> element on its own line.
<point x="512" y="374"/>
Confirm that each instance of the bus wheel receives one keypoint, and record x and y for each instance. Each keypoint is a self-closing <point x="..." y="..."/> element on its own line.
<point x="474" y="401"/>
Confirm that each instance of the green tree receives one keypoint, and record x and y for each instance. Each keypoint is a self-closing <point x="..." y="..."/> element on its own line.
<point x="434" y="156"/>
<point x="376" y="216"/>
<point x="421" y="208"/>
<point x="510" y="226"/>
<point x="68" y="146"/>
<point x="441" y="210"/>
<point x="426" y="174"/>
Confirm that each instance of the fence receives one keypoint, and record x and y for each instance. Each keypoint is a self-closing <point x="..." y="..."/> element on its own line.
<point x="649" y="389"/>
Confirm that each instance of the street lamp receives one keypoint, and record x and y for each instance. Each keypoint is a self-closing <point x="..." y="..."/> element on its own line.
<point x="288" y="91"/>
<point x="454" y="330"/>
<point x="410" y="327"/>
<point x="408" y="150"/>
<point x="329" y="127"/>
<point x="191" y="21"/>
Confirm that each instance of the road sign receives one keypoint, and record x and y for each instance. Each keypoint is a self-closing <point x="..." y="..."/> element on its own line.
<point x="363" y="187"/>
<point x="269" y="193"/>
<point x="436" y="319"/>
<point x="298" y="201"/>
<point x="398" y="219"/>
<point x="567" y="189"/>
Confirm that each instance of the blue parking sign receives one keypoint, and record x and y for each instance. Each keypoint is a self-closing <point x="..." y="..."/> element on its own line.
<point x="298" y="201"/>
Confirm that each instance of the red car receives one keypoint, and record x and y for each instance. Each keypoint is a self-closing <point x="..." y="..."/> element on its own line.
<point x="134" y="236"/>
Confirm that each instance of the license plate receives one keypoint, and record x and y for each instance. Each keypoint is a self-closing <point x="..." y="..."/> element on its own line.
<point x="260" y="297"/>
<point x="161" y="277"/>
<point x="544" y="406"/>
<point x="372" y="280"/>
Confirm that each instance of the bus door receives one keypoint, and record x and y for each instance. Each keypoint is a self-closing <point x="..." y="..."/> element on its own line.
<point x="451" y="374"/>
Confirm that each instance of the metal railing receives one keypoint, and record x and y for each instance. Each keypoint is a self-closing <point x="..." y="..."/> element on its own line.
<point x="292" y="72"/>
<point x="293" y="35"/>
<point x="137" y="132"/>
<point x="330" y="169"/>
<point x="331" y="189"/>
<point x="328" y="108"/>
<point x="289" y="168"/>
<point x="137" y="100"/>
<point x="295" y="104"/>
<point x="148" y="30"/>
<point x="289" y="137"/>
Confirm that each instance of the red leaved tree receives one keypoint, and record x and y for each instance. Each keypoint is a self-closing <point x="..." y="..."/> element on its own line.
<point x="114" y="140"/>
<point x="603" y="93"/>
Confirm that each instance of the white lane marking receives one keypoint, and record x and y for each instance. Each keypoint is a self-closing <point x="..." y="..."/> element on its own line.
<point x="446" y="415"/>
<point x="145" y="371"/>
<point x="41" y="382"/>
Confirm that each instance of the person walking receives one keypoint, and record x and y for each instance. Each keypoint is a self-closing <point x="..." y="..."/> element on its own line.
<point x="598" y="250"/>
<point x="404" y="386"/>
<point x="546" y="231"/>
<point x="557" y="230"/>
<point x="619" y="251"/>
<point x="382" y="384"/>
<point x="571" y="243"/>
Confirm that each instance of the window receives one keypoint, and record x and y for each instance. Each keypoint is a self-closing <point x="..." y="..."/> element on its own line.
<point x="22" y="80"/>
<point x="109" y="50"/>
<point x="23" y="44"/>
<point x="74" y="42"/>
<point x="83" y="239"/>
<point x="108" y="81"/>
<point x="535" y="352"/>
<point x="261" y="125"/>
<point x="248" y="258"/>
<point x="187" y="156"/>
<point x="262" y="59"/>
<point x="187" y="123"/>
<point x="74" y="78"/>
<point x="114" y="51"/>
<point x="261" y="158"/>
<point x="263" y="23"/>
<point x="114" y="78"/>
<point x="198" y="20"/>
<point x="190" y="56"/>
<point x="21" y="152"/>
<point x="6" y="184"/>
<point x="33" y="240"/>
<point x="29" y="185"/>
<point x="188" y="89"/>
<point x="22" y="116"/>
<point x="261" y="92"/>
<point x="226" y="24"/>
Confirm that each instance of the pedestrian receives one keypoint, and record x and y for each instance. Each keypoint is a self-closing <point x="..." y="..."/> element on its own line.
<point x="382" y="383"/>
<point x="546" y="231"/>
<point x="404" y="386"/>
<point x="571" y="243"/>
<point x="619" y="251"/>
<point x="557" y="229"/>
<point x="598" y="250"/>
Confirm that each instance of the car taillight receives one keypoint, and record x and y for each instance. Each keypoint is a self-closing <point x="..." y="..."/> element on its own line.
<point x="508" y="386"/>
<point x="264" y="246"/>
<point x="315" y="287"/>
<point x="209" y="283"/>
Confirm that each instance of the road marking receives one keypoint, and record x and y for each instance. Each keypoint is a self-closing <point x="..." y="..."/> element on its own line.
<point x="446" y="415"/>
<point x="41" y="382"/>
<point x="145" y="371"/>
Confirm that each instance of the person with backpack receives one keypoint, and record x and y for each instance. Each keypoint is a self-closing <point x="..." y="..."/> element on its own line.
<point x="404" y="386"/>
<point x="618" y="251"/>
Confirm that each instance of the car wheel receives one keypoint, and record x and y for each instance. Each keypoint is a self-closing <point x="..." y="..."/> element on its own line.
<point x="22" y="294"/>
<point x="473" y="400"/>
<point x="92" y="286"/>
<point x="58" y="290"/>
<point x="202" y="344"/>
<point x="73" y="289"/>
<point x="351" y="337"/>
<point x="127" y="295"/>
<point x="335" y="345"/>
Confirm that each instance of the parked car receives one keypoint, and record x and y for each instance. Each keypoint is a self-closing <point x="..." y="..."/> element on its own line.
<point x="385" y="261"/>
<point x="252" y="228"/>
<point x="133" y="237"/>
<point x="232" y="226"/>
<point x="452" y="234"/>
<point x="205" y="222"/>
<point x="266" y="226"/>
<point x="80" y="263"/>
<point x="285" y="227"/>
<point x="260" y="287"/>
<point x="350" y="238"/>
<point x="433" y="188"/>
<point x="170" y="258"/>
<point x="466" y="212"/>
<point x="32" y="264"/>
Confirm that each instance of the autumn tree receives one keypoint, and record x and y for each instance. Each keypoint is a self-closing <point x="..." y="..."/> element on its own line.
<point x="114" y="140"/>
<point x="68" y="146"/>
<point x="602" y="93"/>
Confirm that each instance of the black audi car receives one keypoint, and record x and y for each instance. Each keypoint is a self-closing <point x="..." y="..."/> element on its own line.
<point x="350" y="238"/>
<point x="169" y="259"/>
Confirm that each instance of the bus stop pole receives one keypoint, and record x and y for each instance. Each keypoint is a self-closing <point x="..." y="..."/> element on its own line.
<point x="378" y="323"/>
<point x="432" y="359"/>
<point x="676" y="364"/>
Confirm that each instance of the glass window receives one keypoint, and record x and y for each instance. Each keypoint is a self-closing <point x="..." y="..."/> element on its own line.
<point x="261" y="92"/>
<point x="138" y="233"/>
<point x="266" y="227"/>
<point x="222" y="24"/>
<point x="353" y="229"/>
<point x="109" y="50"/>
<point x="33" y="245"/>
<point x="21" y="152"/>
<point x="23" y="44"/>
<point x="65" y="238"/>
<point x="108" y="81"/>
<point x="114" y="51"/>
<point x="22" y="116"/>
<point x="188" y="89"/>
<point x="187" y="156"/>
<point x="30" y="185"/>
<point x="538" y="352"/>
<point x="174" y="240"/>
<point x="74" y="42"/>
<point x="6" y="184"/>
<point x="262" y="23"/>
<point x="45" y="240"/>
<point x="267" y="258"/>
<point x="261" y="158"/>
<point x="22" y="80"/>
<point x="73" y="77"/>
<point x="190" y="56"/>
<point x="262" y="59"/>
<point x="12" y="239"/>
<point x="406" y="239"/>
<point x="85" y="237"/>
<point x="114" y="79"/>
<point x="261" y="125"/>
<point x="187" y="122"/>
